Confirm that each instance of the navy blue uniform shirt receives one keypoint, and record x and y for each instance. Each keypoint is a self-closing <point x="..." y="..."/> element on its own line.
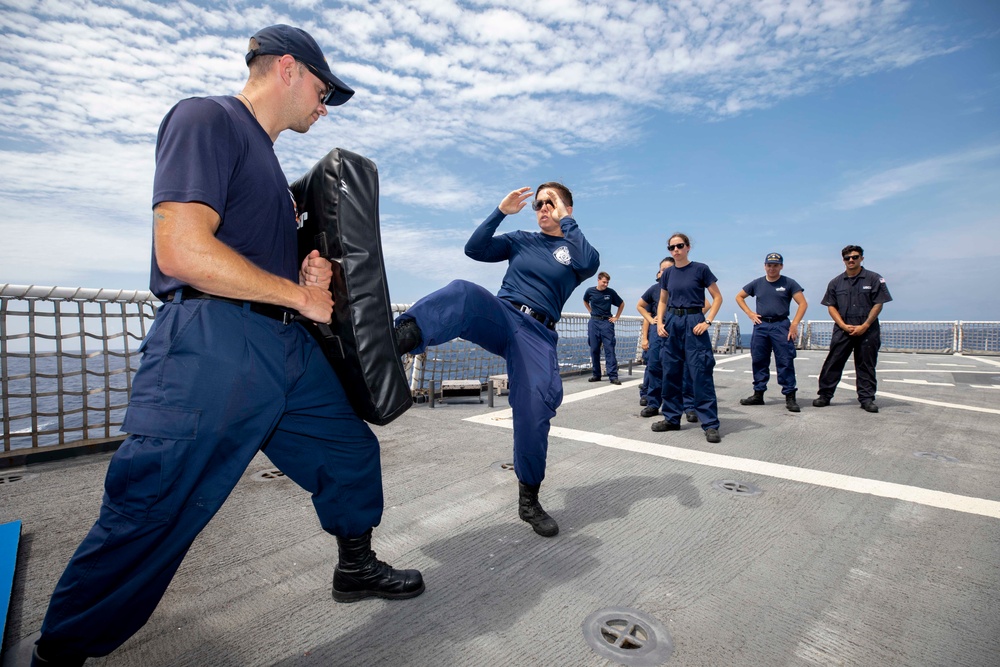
<point x="213" y="151"/>
<point x="652" y="298"/>
<point x="687" y="285"/>
<point x="854" y="297"/>
<point x="601" y="301"/>
<point x="543" y="270"/>
<point x="773" y="299"/>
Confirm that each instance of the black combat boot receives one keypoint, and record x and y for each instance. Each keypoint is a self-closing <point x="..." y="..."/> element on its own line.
<point x="360" y="575"/>
<point x="756" y="399"/>
<point x="530" y="510"/>
<point x="790" y="403"/>
<point x="408" y="335"/>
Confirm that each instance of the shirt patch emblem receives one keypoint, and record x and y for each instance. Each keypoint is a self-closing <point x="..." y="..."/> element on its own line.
<point x="867" y="287"/>
<point x="779" y="289"/>
<point x="562" y="255"/>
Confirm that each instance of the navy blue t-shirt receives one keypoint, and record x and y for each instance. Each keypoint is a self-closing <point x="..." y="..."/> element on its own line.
<point x="601" y="301"/>
<point x="773" y="299"/>
<point x="212" y="150"/>
<point x="543" y="270"/>
<point x="652" y="298"/>
<point x="686" y="285"/>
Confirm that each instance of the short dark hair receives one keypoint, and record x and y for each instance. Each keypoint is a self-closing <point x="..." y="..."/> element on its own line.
<point x="668" y="258"/>
<point x="848" y="249"/>
<point x="683" y="236"/>
<point x="563" y="191"/>
<point x="604" y="274"/>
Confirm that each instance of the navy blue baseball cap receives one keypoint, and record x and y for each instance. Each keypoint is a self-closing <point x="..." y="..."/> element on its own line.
<point x="774" y="258"/>
<point x="277" y="40"/>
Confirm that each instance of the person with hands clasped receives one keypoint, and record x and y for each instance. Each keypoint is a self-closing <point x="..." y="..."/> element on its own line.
<point x="854" y="299"/>
<point x="518" y="324"/>
<point x="772" y="331"/>
<point x="687" y="347"/>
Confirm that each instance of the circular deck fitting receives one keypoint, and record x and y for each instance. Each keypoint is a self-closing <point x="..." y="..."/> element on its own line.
<point x="736" y="487"/>
<point x="503" y="466"/>
<point x="628" y="637"/>
<point x="937" y="457"/>
<point x="269" y="475"/>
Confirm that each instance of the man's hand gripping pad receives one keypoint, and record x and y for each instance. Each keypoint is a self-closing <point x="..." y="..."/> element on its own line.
<point x="337" y="201"/>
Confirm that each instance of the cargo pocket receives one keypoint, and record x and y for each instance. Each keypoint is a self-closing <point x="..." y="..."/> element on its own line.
<point x="142" y="479"/>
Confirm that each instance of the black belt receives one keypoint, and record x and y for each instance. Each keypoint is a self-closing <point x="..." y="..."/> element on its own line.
<point x="599" y="317"/>
<point x="531" y="312"/>
<point x="684" y="311"/>
<point x="265" y="309"/>
<point x="773" y="319"/>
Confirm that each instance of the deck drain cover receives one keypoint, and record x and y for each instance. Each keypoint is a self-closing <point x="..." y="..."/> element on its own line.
<point x="268" y="475"/>
<point x="736" y="487"/>
<point x="936" y="457"/>
<point x="628" y="637"/>
<point x="503" y="466"/>
<point x="10" y="479"/>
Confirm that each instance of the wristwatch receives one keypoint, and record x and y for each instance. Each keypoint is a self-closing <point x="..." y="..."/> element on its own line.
<point x="708" y="322"/>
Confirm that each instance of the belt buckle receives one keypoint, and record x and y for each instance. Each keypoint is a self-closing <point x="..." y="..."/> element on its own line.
<point x="526" y="309"/>
<point x="287" y="317"/>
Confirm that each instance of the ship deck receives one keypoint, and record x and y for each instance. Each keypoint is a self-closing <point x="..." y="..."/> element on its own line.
<point x="873" y="540"/>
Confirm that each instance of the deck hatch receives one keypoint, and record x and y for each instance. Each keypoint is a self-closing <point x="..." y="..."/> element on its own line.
<point x="736" y="487"/>
<point x="628" y="636"/>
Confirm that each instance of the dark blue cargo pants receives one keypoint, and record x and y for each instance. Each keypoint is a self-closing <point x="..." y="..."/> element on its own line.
<point x="217" y="383"/>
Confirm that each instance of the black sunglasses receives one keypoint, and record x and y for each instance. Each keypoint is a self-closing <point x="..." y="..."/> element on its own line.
<point x="539" y="203"/>
<point x="327" y="97"/>
<point x="851" y="258"/>
<point x="676" y="246"/>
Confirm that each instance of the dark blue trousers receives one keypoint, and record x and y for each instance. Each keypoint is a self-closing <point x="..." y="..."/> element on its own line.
<point x="684" y="353"/>
<point x="602" y="332"/>
<point x="645" y="375"/>
<point x="216" y="384"/>
<point x="865" y="350"/>
<point x="655" y="375"/>
<point x="771" y="337"/>
<point x="462" y="309"/>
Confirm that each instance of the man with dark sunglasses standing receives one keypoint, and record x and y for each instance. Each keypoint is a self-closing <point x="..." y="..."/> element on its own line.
<point x="518" y="324"/>
<point x="226" y="371"/>
<point x="854" y="299"/>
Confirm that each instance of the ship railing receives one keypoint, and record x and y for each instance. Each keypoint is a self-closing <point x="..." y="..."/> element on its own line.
<point x="68" y="355"/>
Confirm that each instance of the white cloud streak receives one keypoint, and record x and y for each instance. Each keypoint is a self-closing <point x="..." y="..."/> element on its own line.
<point x="911" y="177"/>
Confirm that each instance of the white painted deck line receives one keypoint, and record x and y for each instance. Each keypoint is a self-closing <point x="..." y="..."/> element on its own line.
<point x="992" y="362"/>
<point x="913" y="399"/>
<point x="913" y="494"/>
<point x="920" y="382"/>
<point x="985" y="386"/>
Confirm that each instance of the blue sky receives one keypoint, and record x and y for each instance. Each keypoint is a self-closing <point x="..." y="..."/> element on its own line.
<point x="795" y="126"/>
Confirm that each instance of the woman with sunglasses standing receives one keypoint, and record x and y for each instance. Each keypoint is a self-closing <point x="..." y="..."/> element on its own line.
<point x="518" y="324"/>
<point x="687" y="347"/>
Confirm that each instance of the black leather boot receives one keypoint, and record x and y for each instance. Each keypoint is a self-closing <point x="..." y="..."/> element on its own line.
<point x="530" y="510"/>
<point x="360" y="575"/>
<point x="408" y="335"/>
<point x="44" y="658"/>
<point x="756" y="399"/>
<point x="790" y="403"/>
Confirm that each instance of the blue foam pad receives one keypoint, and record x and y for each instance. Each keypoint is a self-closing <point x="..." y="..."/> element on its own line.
<point x="10" y="535"/>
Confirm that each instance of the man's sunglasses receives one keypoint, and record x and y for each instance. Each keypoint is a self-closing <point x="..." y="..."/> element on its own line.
<point x="327" y="97"/>
<point x="851" y="258"/>
<point x="676" y="246"/>
<point x="539" y="203"/>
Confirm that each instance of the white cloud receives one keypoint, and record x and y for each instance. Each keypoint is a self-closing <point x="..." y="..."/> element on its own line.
<point x="907" y="178"/>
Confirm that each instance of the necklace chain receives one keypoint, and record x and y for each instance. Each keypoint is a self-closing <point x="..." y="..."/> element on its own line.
<point x="250" y="103"/>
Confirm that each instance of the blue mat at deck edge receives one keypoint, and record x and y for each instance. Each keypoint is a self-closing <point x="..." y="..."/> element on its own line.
<point x="10" y="535"/>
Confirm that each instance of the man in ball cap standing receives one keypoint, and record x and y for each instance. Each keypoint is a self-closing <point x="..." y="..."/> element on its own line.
<point x="226" y="371"/>
<point x="772" y="331"/>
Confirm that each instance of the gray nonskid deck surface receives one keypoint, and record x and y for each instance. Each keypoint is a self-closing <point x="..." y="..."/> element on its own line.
<point x="803" y="574"/>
